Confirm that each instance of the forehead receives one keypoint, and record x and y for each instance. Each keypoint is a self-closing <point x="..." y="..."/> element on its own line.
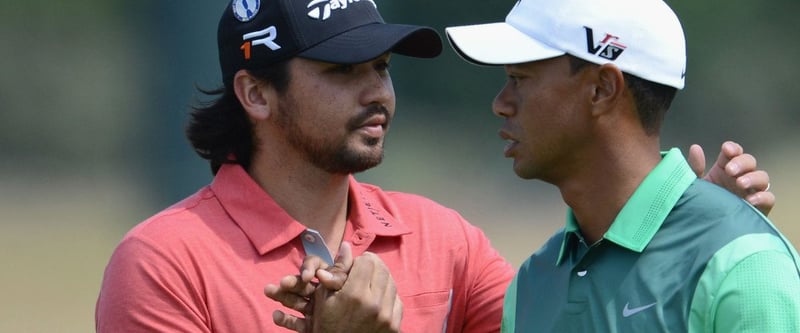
<point x="539" y="65"/>
<point x="309" y="61"/>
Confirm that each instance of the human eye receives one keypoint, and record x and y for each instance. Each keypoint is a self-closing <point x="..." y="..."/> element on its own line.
<point x="343" y="69"/>
<point x="382" y="66"/>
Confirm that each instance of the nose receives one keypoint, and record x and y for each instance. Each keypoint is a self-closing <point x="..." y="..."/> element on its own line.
<point x="502" y="106"/>
<point x="378" y="89"/>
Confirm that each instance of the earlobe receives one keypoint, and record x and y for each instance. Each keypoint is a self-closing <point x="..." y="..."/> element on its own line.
<point x="253" y="95"/>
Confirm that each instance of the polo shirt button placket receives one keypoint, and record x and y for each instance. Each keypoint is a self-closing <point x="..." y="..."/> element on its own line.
<point x="579" y="291"/>
<point x="358" y="239"/>
<point x="361" y="241"/>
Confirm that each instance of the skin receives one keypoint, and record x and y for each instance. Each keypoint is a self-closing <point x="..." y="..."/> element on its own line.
<point x="360" y="291"/>
<point x="299" y="138"/>
<point x="542" y="122"/>
<point x="551" y="131"/>
<point x="330" y="122"/>
<point x="562" y="128"/>
<point x="581" y="132"/>
<point x="736" y="170"/>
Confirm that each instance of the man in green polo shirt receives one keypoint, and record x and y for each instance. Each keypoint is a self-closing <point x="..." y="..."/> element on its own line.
<point x="647" y="246"/>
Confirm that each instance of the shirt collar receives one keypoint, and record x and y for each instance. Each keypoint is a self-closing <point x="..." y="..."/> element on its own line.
<point x="372" y="212"/>
<point x="269" y="226"/>
<point x="648" y="207"/>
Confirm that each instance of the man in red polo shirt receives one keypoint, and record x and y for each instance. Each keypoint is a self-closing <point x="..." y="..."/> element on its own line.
<point x="306" y="102"/>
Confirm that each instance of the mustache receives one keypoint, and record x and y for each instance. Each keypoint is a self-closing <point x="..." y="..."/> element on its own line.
<point x="370" y="111"/>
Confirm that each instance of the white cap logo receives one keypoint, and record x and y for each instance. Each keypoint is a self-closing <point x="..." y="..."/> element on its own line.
<point x="315" y="11"/>
<point x="245" y="10"/>
<point x="321" y="9"/>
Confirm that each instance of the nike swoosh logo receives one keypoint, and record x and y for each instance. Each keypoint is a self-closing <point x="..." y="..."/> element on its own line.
<point x="627" y="312"/>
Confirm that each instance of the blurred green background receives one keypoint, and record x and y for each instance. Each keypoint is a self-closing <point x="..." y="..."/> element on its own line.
<point x="94" y="96"/>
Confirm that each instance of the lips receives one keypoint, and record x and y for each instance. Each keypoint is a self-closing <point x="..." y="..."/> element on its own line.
<point x="511" y="143"/>
<point x="374" y="125"/>
<point x="373" y="121"/>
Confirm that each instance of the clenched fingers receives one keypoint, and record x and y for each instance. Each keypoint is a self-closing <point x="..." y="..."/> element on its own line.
<point x="291" y="322"/>
<point x="292" y="292"/>
<point x="334" y="277"/>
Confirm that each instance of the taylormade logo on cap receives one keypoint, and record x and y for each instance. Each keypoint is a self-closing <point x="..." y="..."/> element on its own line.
<point x="642" y="37"/>
<point x="323" y="12"/>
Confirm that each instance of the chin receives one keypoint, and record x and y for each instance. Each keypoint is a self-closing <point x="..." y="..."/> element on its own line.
<point x="523" y="172"/>
<point x="355" y="160"/>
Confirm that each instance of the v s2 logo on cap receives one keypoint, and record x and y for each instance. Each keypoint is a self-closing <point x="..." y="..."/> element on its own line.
<point x="608" y="48"/>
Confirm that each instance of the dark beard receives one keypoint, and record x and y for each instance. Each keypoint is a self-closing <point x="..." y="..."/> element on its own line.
<point x="335" y="157"/>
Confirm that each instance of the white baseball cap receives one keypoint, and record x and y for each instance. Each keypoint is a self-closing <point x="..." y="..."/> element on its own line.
<point x="641" y="37"/>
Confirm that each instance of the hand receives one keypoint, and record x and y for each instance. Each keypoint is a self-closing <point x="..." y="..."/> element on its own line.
<point x="295" y="291"/>
<point x="366" y="302"/>
<point x="352" y="296"/>
<point x="735" y="171"/>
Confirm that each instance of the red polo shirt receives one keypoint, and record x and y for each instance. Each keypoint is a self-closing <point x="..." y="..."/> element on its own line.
<point x="202" y="264"/>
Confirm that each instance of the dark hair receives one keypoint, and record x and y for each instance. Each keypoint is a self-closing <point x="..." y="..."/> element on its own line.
<point x="220" y="130"/>
<point x="652" y="99"/>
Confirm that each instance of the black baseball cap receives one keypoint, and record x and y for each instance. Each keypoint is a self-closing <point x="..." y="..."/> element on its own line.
<point x="257" y="33"/>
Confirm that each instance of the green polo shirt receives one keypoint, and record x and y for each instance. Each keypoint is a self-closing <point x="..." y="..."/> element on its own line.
<point x="683" y="255"/>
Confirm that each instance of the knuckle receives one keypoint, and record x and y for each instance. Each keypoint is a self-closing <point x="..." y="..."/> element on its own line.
<point x="384" y="319"/>
<point x="373" y="310"/>
<point x="370" y="256"/>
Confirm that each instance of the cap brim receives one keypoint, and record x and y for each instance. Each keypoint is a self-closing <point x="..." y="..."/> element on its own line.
<point x="495" y="44"/>
<point x="369" y="41"/>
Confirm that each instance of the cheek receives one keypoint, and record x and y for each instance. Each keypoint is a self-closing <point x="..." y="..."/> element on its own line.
<point x="543" y="124"/>
<point x="390" y="101"/>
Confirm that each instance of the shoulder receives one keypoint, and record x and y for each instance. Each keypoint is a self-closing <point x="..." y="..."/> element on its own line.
<point x="182" y="225"/>
<point x="710" y="197"/>
<point x="710" y="208"/>
<point x="724" y="227"/>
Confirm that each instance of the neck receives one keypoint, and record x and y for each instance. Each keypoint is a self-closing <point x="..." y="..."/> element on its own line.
<point x="598" y="192"/>
<point x="313" y="197"/>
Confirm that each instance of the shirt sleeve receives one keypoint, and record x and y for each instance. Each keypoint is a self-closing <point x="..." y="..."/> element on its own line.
<point x="508" y="324"/>
<point x="144" y="290"/>
<point x="752" y="284"/>
<point x="760" y="294"/>
<point x="490" y="274"/>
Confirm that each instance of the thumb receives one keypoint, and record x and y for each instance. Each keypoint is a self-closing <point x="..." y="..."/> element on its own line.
<point x="334" y="277"/>
<point x="697" y="160"/>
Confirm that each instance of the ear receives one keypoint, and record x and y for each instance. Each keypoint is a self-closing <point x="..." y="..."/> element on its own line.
<point x="609" y="87"/>
<point x="256" y="97"/>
